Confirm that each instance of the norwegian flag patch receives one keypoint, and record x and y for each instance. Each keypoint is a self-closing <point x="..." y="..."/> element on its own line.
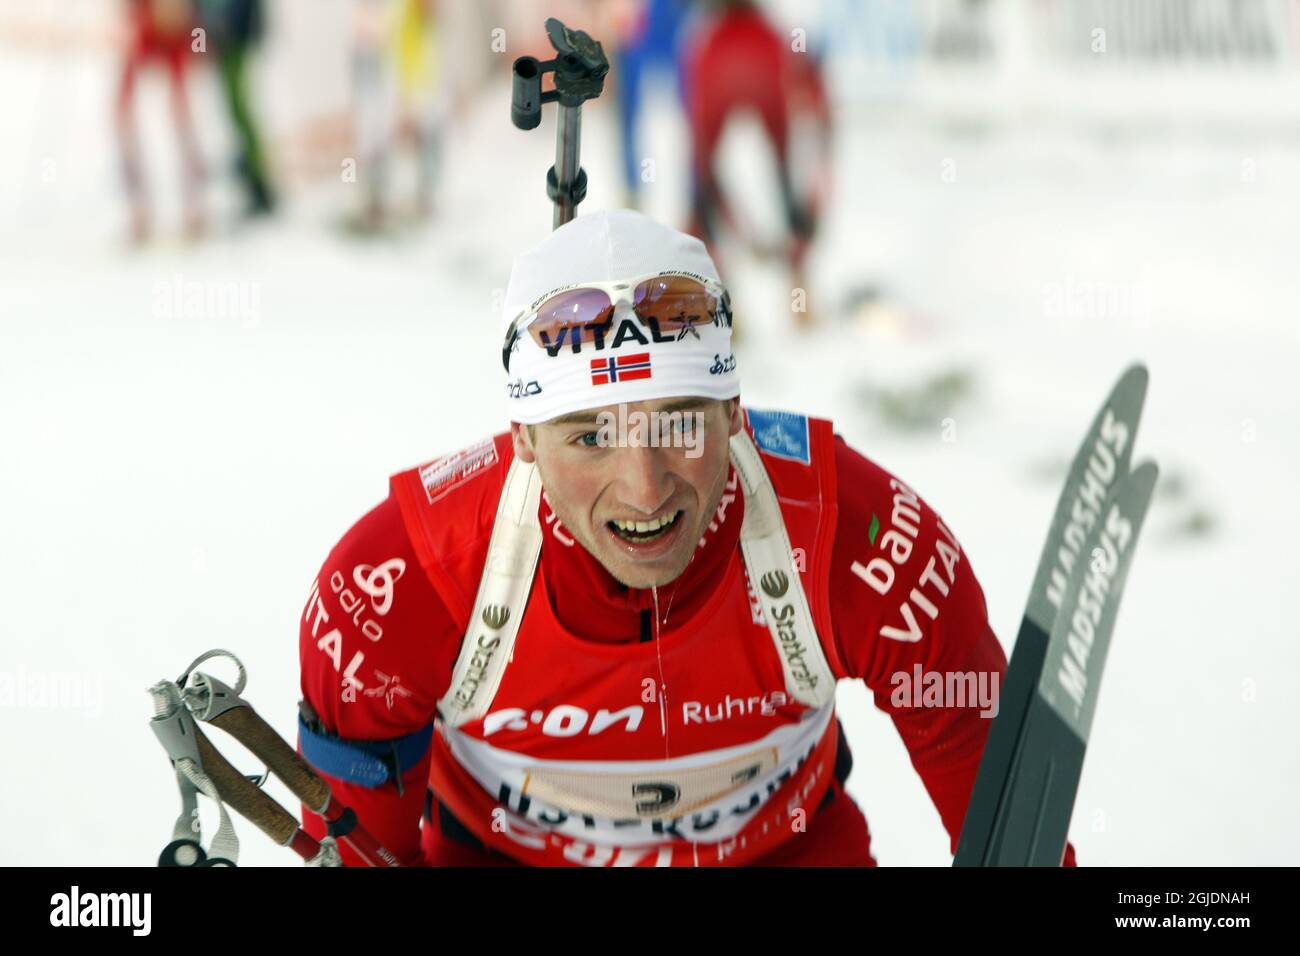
<point x="623" y="368"/>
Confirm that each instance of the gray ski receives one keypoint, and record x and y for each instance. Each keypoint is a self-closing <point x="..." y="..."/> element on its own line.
<point x="1098" y="468"/>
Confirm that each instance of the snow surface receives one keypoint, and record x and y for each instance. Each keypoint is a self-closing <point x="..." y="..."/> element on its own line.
<point x="171" y="478"/>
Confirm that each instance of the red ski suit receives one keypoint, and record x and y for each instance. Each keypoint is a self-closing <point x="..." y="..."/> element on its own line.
<point x="892" y="595"/>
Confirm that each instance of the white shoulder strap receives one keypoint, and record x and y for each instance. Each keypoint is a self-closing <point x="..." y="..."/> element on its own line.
<point x="769" y="559"/>
<point x="512" y="562"/>
<point x="502" y="596"/>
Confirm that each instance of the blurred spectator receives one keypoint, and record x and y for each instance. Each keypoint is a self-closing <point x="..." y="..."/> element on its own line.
<point x="647" y="34"/>
<point x="159" y="32"/>
<point x="234" y="29"/>
<point x="739" y="62"/>
<point x="420" y="96"/>
<point x="395" y="64"/>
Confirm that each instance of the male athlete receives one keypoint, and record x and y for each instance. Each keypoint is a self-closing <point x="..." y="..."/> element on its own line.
<point x="611" y="636"/>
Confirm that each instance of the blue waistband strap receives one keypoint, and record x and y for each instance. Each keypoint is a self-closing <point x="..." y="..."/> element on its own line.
<point x="369" y="763"/>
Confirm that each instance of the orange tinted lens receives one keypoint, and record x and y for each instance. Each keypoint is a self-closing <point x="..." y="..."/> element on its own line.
<point x="675" y="302"/>
<point x="570" y="316"/>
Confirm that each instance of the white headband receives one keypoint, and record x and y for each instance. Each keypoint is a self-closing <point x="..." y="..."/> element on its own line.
<point x="631" y="362"/>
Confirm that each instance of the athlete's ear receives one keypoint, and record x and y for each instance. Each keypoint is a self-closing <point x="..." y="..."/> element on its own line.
<point x="523" y="442"/>
<point x="737" y="421"/>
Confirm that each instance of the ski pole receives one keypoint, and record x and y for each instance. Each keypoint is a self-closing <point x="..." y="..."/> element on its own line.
<point x="253" y="803"/>
<point x="247" y="726"/>
<point x="201" y="768"/>
<point x="579" y="66"/>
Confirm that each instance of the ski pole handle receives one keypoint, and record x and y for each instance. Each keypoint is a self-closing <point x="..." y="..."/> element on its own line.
<point x="214" y="702"/>
<point x="247" y="726"/>
<point x="252" y="803"/>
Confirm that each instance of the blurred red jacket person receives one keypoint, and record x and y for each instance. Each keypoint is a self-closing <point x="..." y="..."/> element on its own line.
<point x="738" y="63"/>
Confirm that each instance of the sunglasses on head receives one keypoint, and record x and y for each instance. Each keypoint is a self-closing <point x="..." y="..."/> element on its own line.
<point x="669" y="304"/>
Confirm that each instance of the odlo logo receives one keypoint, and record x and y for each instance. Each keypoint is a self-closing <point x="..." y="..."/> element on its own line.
<point x="377" y="583"/>
<point x="774" y="584"/>
<point x="519" y="389"/>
